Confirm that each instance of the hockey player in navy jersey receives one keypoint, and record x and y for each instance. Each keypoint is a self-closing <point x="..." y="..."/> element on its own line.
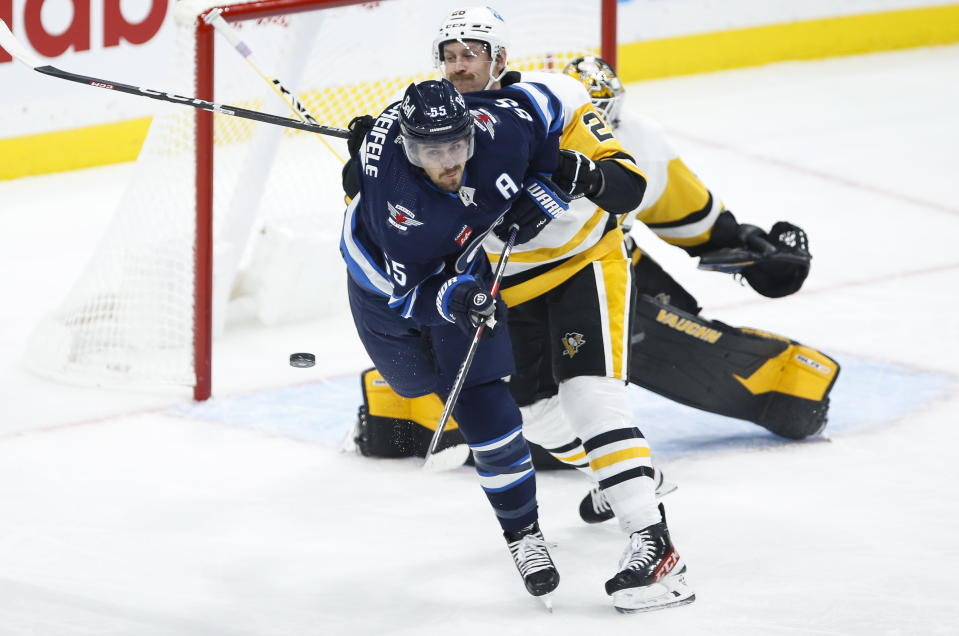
<point x="436" y="174"/>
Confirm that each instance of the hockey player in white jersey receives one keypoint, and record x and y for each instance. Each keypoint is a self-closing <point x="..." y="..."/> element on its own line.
<point x="569" y="293"/>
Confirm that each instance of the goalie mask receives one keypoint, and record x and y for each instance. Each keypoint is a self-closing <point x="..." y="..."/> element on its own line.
<point x="474" y="24"/>
<point x="604" y="88"/>
<point x="436" y="125"/>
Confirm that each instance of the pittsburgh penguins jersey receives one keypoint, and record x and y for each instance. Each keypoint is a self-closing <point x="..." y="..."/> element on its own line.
<point x="677" y="207"/>
<point x="403" y="238"/>
<point x="584" y="233"/>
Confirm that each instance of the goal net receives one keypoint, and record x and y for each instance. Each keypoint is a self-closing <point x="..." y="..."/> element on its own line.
<point x="226" y="217"/>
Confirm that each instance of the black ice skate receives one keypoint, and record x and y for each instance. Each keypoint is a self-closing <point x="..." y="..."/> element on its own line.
<point x="652" y="574"/>
<point x="595" y="508"/>
<point x="532" y="559"/>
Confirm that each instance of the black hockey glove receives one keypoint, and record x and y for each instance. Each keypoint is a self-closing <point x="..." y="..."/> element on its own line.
<point x="578" y="175"/>
<point x="350" y="174"/>
<point x="540" y="202"/>
<point x="464" y="301"/>
<point x="783" y="270"/>
<point x="358" y="128"/>
<point x="774" y="264"/>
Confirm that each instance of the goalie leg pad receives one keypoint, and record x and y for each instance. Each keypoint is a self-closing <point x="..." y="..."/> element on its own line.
<point x="744" y="373"/>
<point x="390" y="425"/>
<point x="651" y="279"/>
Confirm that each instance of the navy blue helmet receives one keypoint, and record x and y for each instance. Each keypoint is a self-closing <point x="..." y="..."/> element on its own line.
<point x="434" y="115"/>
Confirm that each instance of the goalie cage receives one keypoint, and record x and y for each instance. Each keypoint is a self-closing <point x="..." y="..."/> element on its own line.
<point x="226" y="217"/>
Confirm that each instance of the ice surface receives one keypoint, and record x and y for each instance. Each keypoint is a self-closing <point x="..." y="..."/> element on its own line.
<point x="141" y="514"/>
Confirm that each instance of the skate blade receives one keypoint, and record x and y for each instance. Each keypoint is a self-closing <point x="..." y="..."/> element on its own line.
<point x="672" y="591"/>
<point x="547" y="601"/>
<point x="653" y="608"/>
<point x="447" y="459"/>
<point x="665" y="487"/>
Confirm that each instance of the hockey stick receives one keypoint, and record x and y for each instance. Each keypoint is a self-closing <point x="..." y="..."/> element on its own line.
<point x="10" y="43"/>
<point x="215" y="19"/>
<point x="455" y="456"/>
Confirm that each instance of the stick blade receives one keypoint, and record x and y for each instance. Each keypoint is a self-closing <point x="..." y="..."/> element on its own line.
<point x="12" y="46"/>
<point x="447" y="459"/>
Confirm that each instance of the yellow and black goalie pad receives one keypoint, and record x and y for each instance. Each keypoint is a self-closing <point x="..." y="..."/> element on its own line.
<point x="744" y="373"/>
<point x="390" y="425"/>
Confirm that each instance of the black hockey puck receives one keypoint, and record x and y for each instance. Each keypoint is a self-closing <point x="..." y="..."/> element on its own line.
<point x="302" y="360"/>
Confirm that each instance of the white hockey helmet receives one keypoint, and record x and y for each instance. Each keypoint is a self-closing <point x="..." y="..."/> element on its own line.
<point x="604" y="88"/>
<point x="482" y="24"/>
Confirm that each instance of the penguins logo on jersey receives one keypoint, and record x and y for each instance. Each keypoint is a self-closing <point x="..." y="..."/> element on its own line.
<point x="401" y="218"/>
<point x="571" y="343"/>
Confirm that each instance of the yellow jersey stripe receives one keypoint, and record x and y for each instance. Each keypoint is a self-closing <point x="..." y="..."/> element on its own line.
<point x="571" y="459"/>
<point x="545" y="254"/>
<point x="541" y="284"/>
<point x="616" y="278"/>
<point x="619" y="456"/>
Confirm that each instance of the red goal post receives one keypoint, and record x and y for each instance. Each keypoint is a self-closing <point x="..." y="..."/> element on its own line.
<point x="211" y="194"/>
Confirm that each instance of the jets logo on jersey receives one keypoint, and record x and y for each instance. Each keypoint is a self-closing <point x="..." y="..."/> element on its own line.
<point x="571" y="343"/>
<point x="485" y="121"/>
<point x="401" y="218"/>
<point x="463" y="235"/>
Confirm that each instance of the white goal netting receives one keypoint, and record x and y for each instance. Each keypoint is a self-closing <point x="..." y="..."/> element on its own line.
<point x="277" y="200"/>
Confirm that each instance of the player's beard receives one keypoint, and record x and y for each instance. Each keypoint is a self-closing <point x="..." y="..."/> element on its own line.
<point x="450" y="180"/>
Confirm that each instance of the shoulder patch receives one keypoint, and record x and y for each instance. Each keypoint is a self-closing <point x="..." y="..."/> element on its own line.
<point x="401" y="217"/>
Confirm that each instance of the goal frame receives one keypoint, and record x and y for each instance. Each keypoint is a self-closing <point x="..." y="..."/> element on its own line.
<point x="204" y="74"/>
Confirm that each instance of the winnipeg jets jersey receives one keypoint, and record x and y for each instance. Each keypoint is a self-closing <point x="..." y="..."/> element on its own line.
<point x="584" y="233"/>
<point x="403" y="238"/>
<point x="676" y="205"/>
